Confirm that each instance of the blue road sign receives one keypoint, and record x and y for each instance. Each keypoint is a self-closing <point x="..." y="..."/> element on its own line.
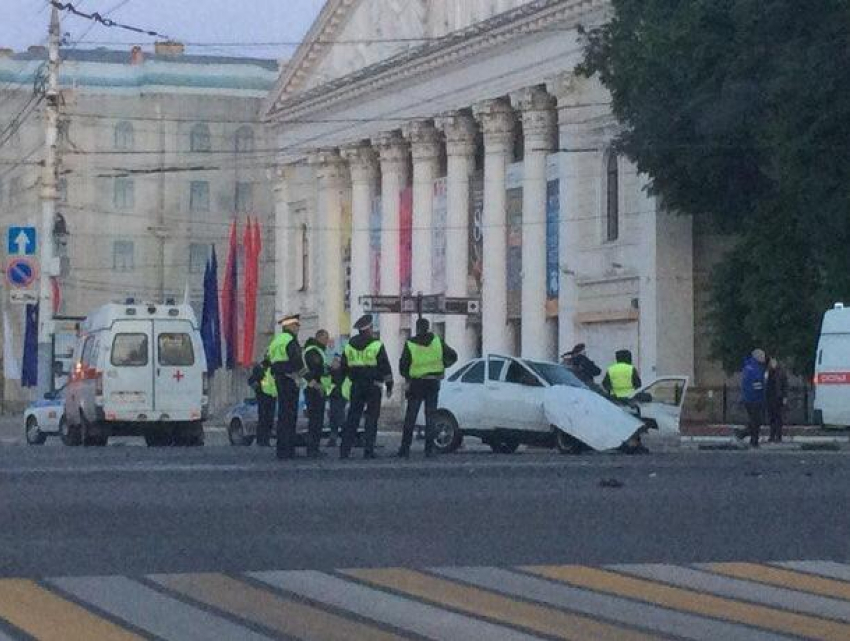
<point x="20" y="272"/>
<point x="21" y="241"/>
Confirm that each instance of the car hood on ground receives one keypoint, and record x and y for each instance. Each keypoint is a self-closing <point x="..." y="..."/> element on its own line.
<point x="587" y="416"/>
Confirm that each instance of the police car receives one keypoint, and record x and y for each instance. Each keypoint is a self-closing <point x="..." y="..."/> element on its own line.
<point x="44" y="417"/>
<point x="507" y="402"/>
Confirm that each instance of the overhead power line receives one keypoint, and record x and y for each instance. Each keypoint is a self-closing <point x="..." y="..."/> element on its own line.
<point x="106" y="22"/>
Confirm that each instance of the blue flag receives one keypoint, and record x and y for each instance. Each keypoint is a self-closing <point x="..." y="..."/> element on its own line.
<point x="29" y="362"/>
<point x="210" y="321"/>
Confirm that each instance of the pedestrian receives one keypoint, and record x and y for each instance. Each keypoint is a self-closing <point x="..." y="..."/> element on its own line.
<point x="752" y="393"/>
<point x="318" y="387"/>
<point x="365" y="362"/>
<point x="622" y="379"/>
<point x="423" y="364"/>
<point x="261" y="381"/>
<point x="286" y="365"/>
<point x="776" y="398"/>
<point x="577" y="361"/>
<point x="338" y="399"/>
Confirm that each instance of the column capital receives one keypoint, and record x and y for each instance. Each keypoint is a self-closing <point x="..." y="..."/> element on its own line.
<point x="392" y="149"/>
<point x="362" y="162"/>
<point x="328" y="163"/>
<point x="497" y="121"/>
<point x="279" y="175"/>
<point x="461" y="131"/>
<point x="537" y="110"/>
<point x="424" y="140"/>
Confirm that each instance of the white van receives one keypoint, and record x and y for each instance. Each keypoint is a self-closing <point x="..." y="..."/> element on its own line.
<point x="138" y="370"/>
<point x="832" y="369"/>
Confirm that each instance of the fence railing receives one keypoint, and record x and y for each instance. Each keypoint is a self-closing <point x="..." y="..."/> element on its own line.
<point x="723" y="405"/>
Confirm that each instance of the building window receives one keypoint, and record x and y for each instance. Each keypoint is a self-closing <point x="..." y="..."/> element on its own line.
<point x="305" y="259"/>
<point x="122" y="256"/>
<point x="62" y="190"/>
<point x="123" y="196"/>
<point x="124" y="136"/>
<point x="199" y="138"/>
<point x="199" y="195"/>
<point x="612" y="227"/>
<point x="244" y="197"/>
<point x="198" y="255"/>
<point x="244" y="139"/>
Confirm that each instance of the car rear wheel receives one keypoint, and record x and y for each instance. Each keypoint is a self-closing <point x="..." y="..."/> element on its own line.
<point x="236" y="433"/>
<point x="33" y="433"/>
<point x="71" y="435"/>
<point x="567" y="444"/>
<point x="447" y="434"/>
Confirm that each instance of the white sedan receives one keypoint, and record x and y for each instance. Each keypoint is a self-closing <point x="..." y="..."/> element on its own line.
<point x="507" y="401"/>
<point x="44" y="417"/>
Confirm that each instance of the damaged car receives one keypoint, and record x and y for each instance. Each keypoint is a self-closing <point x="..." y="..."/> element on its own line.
<point x="506" y="402"/>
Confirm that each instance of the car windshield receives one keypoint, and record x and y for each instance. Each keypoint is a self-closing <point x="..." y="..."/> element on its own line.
<point x="555" y="374"/>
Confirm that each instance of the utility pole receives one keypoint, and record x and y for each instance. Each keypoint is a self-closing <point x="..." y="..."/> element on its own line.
<point x="48" y="211"/>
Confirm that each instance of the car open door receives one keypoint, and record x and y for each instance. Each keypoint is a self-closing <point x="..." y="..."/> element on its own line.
<point x="665" y="399"/>
<point x="515" y="395"/>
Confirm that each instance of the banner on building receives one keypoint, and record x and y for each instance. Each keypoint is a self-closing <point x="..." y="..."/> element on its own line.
<point x="475" y="269"/>
<point x="553" y="223"/>
<point x="439" y="219"/>
<point x="345" y="222"/>
<point x="513" y="206"/>
<point x="375" y="246"/>
<point x="405" y="240"/>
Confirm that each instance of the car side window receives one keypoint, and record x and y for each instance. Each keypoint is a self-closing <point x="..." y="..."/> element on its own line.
<point x="495" y="368"/>
<point x="474" y="374"/>
<point x="460" y="372"/>
<point x="85" y="357"/>
<point x="518" y="375"/>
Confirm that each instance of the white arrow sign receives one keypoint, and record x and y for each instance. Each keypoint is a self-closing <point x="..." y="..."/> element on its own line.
<point x="22" y="242"/>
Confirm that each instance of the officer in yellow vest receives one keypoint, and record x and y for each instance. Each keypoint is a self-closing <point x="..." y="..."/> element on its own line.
<point x="622" y="380"/>
<point x="318" y="387"/>
<point x="365" y="362"/>
<point x="338" y="399"/>
<point x="286" y="366"/>
<point x="262" y="382"/>
<point x="423" y="364"/>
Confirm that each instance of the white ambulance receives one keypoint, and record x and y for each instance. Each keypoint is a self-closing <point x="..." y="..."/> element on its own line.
<point x="832" y="369"/>
<point x="138" y="370"/>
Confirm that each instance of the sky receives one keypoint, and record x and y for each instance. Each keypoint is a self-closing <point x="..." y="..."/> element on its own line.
<point x="24" y="23"/>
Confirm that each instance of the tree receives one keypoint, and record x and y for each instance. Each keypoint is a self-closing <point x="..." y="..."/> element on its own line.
<point x="739" y="111"/>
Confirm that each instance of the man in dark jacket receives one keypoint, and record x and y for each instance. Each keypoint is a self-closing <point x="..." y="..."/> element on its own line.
<point x="423" y="364"/>
<point x="580" y="364"/>
<point x="286" y="364"/>
<point x="318" y="385"/>
<point x="777" y="399"/>
<point x="752" y="393"/>
<point x="365" y="362"/>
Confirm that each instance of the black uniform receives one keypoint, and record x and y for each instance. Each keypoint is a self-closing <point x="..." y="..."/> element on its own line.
<point x="422" y="390"/>
<point x="287" y="398"/>
<point x="365" y="395"/>
<point x="336" y="413"/>
<point x="316" y="367"/>
<point x="265" y="404"/>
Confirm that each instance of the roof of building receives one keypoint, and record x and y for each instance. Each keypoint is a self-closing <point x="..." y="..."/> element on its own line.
<point x="122" y="56"/>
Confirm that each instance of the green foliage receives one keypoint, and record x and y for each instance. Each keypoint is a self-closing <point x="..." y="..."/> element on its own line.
<point x="740" y="110"/>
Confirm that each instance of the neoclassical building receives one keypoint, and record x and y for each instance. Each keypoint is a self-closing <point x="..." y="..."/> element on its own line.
<point x="448" y="147"/>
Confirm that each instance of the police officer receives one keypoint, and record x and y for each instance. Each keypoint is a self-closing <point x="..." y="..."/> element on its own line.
<point x="365" y="362"/>
<point x="622" y="380"/>
<point x="286" y="365"/>
<point x="338" y="399"/>
<point x="423" y="364"/>
<point x="318" y="387"/>
<point x="262" y="382"/>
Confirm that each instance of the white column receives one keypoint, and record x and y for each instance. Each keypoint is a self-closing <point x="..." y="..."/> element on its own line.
<point x="392" y="151"/>
<point x="363" y="165"/>
<point x="425" y="147"/>
<point x="282" y="240"/>
<point x="460" y="130"/>
<point x="538" y="127"/>
<point x="497" y="122"/>
<point x="330" y="175"/>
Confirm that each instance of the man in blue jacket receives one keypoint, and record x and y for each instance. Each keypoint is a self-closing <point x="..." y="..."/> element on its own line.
<point x="752" y="393"/>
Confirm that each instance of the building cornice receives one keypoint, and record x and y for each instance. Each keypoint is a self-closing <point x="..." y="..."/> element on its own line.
<point x="533" y="17"/>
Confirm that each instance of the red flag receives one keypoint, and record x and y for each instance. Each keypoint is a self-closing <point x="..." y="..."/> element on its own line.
<point x="229" y="293"/>
<point x="249" y="319"/>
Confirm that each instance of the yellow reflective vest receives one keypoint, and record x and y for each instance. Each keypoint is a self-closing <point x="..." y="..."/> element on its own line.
<point x="620" y="375"/>
<point x="426" y="360"/>
<point x="277" y="349"/>
<point x="367" y="357"/>
<point x="326" y="382"/>
<point x="268" y="385"/>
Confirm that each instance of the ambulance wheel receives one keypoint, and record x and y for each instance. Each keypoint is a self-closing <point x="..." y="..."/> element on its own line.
<point x="236" y="434"/>
<point x="34" y="435"/>
<point x="189" y="434"/>
<point x="91" y="436"/>
<point x="71" y="435"/>
<point x="447" y="434"/>
<point x="567" y="444"/>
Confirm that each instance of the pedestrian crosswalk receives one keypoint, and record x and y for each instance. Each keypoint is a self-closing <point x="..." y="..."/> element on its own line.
<point x="729" y="601"/>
